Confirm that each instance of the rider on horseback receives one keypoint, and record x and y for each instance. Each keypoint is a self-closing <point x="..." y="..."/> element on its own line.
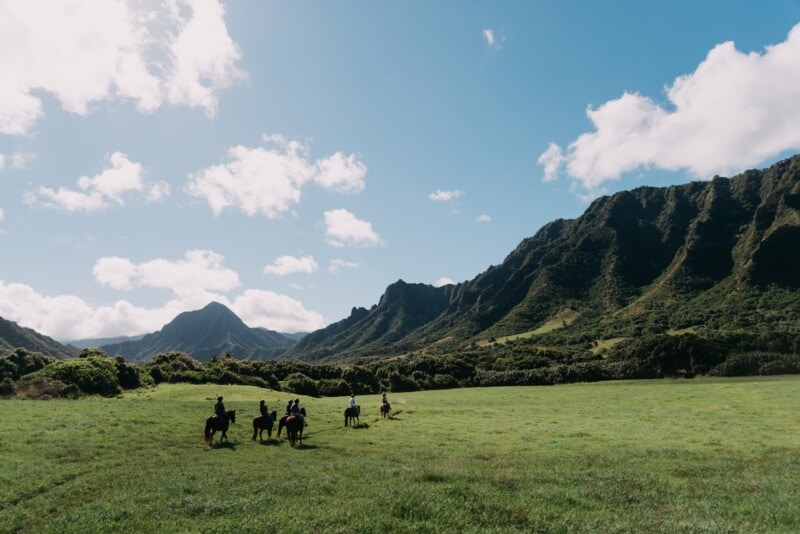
<point x="385" y="401"/>
<point x="262" y="406"/>
<point x="352" y="404"/>
<point x="296" y="411"/>
<point x="219" y="410"/>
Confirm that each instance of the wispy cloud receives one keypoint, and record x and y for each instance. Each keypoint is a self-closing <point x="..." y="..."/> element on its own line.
<point x="290" y="264"/>
<point x="342" y="228"/>
<point x="101" y="50"/>
<point x="338" y="264"/>
<point x="733" y="112"/>
<point x="443" y="281"/>
<point x="269" y="180"/>
<point x="493" y="40"/>
<point x="98" y="192"/>
<point x="445" y="196"/>
<point x="483" y="218"/>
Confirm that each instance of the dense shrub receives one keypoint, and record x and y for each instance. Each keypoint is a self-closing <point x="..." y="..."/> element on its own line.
<point x="19" y="362"/>
<point x="7" y="387"/>
<point x="329" y="387"/>
<point x="35" y="386"/>
<point x="95" y="375"/>
<point x="300" y="384"/>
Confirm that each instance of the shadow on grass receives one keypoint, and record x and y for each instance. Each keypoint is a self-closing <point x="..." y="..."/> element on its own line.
<point x="304" y="447"/>
<point x="224" y="445"/>
<point x="270" y="442"/>
<point x="360" y="426"/>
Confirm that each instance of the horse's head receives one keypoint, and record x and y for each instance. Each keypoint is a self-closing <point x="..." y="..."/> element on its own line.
<point x="303" y="411"/>
<point x="232" y="416"/>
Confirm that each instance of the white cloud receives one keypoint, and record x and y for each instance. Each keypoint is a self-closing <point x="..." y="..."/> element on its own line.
<point x="269" y="180"/>
<point x="344" y="229"/>
<point x="100" y="50"/>
<point x="443" y="281"/>
<point x="483" y="218"/>
<point x="733" y="112"/>
<point x="197" y="279"/>
<point x="17" y="159"/>
<point x="2" y="215"/>
<point x="341" y="173"/>
<point x="276" y="312"/>
<point x="493" y="39"/>
<point x="338" y="264"/>
<point x="198" y="271"/>
<point x="98" y="192"/>
<point x="290" y="264"/>
<point x="445" y="196"/>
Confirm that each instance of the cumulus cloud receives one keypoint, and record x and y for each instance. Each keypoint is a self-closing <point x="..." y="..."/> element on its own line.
<point x="344" y="229"/>
<point x="733" y="112"/>
<point x="195" y="280"/>
<point x="445" y="196"/>
<point x="338" y="264"/>
<point x="199" y="270"/>
<point x="290" y="264"/>
<point x="483" y="218"/>
<point x="276" y="312"/>
<point x="443" y="281"/>
<point x="269" y="180"/>
<point x="80" y="53"/>
<point x="98" y="192"/>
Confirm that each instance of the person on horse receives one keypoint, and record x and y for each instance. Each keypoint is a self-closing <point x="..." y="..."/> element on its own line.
<point x="352" y="404"/>
<point x="295" y="410"/>
<point x="385" y="401"/>
<point x="219" y="410"/>
<point x="289" y="407"/>
<point x="262" y="407"/>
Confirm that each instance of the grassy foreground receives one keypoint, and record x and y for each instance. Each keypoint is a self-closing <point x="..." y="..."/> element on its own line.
<point x="650" y="456"/>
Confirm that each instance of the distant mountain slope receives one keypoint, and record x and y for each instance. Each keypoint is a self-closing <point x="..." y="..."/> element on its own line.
<point x="211" y="331"/>
<point x="628" y="250"/>
<point x="13" y="336"/>
<point x="99" y="342"/>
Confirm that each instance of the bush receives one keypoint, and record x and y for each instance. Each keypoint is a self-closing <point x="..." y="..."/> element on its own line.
<point x="330" y="387"/>
<point x="93" y="375"/>
<point x="35" y="386"/>
<point x="300" y="384"/>
<point x="7" y="387"/>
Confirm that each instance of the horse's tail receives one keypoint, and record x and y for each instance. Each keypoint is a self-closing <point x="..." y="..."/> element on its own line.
<point x="207" y="432"/>
<point x="280" y="426"/>
<point x="255" y="428"/>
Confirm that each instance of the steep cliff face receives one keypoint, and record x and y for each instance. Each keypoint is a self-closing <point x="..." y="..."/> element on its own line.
<point x="634" y="247"/>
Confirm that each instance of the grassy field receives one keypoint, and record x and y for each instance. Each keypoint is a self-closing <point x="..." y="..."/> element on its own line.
<point x="651" y="456"/>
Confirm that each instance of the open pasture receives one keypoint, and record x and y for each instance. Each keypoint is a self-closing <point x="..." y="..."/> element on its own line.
<point x="691" y="456"/>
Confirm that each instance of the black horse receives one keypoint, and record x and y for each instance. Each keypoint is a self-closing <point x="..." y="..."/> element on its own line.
<point x="217" y="424"/>
<point x="261" y="423"/>
<point x="351" y="416"/>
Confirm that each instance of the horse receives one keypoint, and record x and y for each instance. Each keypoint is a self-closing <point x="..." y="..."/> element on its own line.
<point x="214" y="424"/>
<point x="385" y="409"/>
<point x="294" y="426"/>
<point x="261" y="423"/>
<point x="351" y="415"/>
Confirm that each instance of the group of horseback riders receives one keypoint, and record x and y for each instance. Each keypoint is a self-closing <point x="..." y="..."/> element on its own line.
<point x="292" y="408"/>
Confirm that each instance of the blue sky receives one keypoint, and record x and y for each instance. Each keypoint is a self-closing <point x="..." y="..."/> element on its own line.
<point x="292" y="159"/>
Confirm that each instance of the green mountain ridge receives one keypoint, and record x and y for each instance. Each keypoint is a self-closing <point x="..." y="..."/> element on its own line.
<point x="631" y="256"/>
<point x="13" y="336"/>
<point x="211" y="331"/>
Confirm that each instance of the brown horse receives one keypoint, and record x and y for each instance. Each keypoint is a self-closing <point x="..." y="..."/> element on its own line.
<point x="351" y="416"/>
<point x="294" y="426"/>
<point x="214" y="424"/>
<point x="261" y="423"/>
<point x="385" y="409"/>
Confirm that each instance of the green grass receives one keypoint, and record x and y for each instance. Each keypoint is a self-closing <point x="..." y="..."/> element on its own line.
<point x="647" y="456"/>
